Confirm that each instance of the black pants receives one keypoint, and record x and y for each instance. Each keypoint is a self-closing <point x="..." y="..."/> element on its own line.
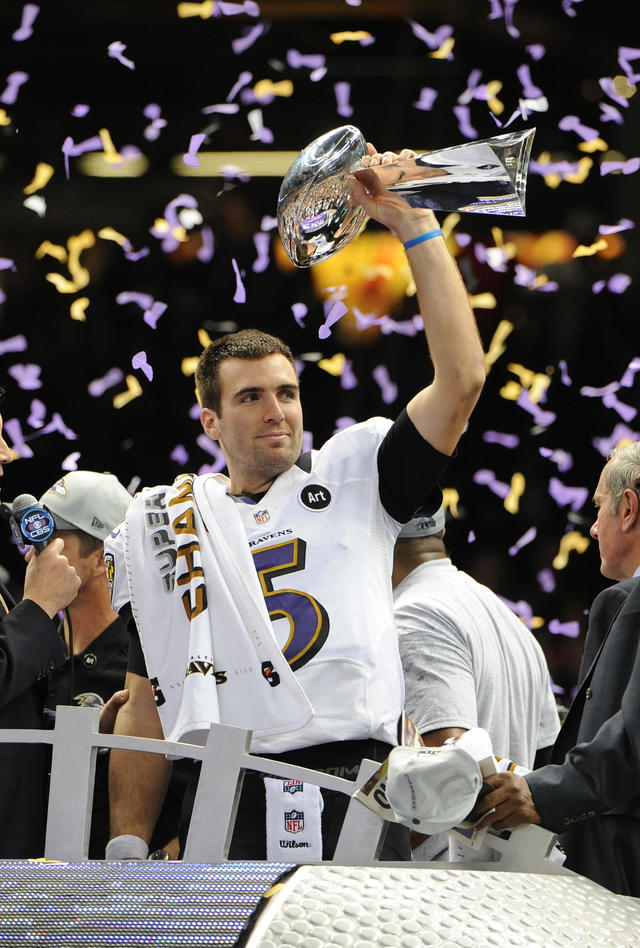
<point x="342" y="759"/>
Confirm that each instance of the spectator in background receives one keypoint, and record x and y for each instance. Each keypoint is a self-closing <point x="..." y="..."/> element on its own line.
<point x="590" y="792"/>
<point x="30" y="648"/>
<point x="468" y="660"/>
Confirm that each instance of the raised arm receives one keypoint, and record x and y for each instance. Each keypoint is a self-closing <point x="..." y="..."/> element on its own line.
<point x="441" y="410"/>
<point x="137" y="781"/>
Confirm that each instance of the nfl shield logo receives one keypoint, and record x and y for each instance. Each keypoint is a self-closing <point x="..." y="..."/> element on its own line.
<point x="292" y="786"/>
<point x="261" y="516"/>
<point x="293" y="821"/>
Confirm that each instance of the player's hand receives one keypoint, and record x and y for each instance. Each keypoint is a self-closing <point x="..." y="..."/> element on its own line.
<point x="50" y="581"/>
<point x="512" y="801"/>
<point x="110" y="711"/>
<point x="369" y="189"/>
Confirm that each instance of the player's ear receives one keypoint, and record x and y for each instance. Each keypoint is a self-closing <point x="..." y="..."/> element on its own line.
<point x="631" y="509"/>
<point x="209" y="421"/>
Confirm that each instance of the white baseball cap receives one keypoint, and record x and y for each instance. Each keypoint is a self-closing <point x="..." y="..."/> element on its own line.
<point x="88" y="501"/>
<point x="424" y="526"/>
<point x="432" y="789"/>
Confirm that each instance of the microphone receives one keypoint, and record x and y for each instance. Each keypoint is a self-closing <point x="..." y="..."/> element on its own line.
<point x="31" y="523"/>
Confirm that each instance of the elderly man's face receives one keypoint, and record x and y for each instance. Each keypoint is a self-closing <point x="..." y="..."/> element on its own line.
<point x="607" y="530"/>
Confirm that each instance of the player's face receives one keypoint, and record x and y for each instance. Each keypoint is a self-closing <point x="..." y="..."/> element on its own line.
<point x="6" y="455"/>
<point x="259" y="425"/>
<point x="607" y="531"/>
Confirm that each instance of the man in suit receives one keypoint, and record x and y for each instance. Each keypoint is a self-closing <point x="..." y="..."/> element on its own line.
<point x="590" y="792"/>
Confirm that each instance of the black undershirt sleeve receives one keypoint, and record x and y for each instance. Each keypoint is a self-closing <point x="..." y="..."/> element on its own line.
<point x="136" y="663"/>
<point x="409" y="469"/>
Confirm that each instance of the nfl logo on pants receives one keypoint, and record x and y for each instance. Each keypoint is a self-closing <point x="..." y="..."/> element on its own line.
<point x="293" y="821"/>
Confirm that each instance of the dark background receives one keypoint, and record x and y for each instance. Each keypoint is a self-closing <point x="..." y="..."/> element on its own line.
<point x="186" y="64"/>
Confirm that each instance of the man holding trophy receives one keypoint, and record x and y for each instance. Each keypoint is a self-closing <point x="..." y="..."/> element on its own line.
<point x="332" y="692"/>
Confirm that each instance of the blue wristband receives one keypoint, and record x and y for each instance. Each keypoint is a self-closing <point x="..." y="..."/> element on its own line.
<point x="422" y="238"/>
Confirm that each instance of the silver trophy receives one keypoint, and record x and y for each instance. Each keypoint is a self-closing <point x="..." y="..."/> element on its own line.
<point x="317" y="218"/>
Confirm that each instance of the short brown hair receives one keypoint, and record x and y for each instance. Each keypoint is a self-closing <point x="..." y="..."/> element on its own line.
<point x="246" y="344"/>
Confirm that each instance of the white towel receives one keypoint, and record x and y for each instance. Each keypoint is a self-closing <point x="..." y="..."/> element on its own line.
<point x="203" y="623"/>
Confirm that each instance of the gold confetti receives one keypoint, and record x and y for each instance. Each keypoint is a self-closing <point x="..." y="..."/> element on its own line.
<point x="623" y="87"/>
<point x="161" y="225"/>
<point x="78" y="308"/>
<point x="108" y="233"/>
<point x="570" y="541"/>
<point x="483" y="301"/>
<point x="512" y="500"/>
<point x="264" y="87"/>
<point x="596" y="144"/>
<point x="536" y="622"/>
<point x="188" y="365"/>
<point x="583" y="251"/>
<point x="204" y="338"/>
<point x="497" y="346"/>
<point x="494" y="103"/>
<point x="41" y="177"/>
<point x="334" y="365"/>
<point x="584" y="167"/>
<point x="511" y="391"/>
<point x="443" y="51"/>
<point x="450" y="500"/>
<point x="4" y="118"/>
<point x="110" y="153"/>
<point x="133" y="390"/>
<point x="79" y="274"/>
<point x="349" y="36"/>
<point x="449" y="224"/>
<point x="536" y="382"/>
<point x="47" y="249"/>
<point x="204" y="10"/>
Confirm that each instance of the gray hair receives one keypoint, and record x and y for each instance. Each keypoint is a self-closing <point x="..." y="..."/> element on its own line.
<point x="622" y="473"/>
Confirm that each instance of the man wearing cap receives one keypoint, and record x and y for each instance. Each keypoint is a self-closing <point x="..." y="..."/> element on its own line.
<point x="590" y="792"/>
<point x="30" y="648"/>
<point x="468" y="660"/>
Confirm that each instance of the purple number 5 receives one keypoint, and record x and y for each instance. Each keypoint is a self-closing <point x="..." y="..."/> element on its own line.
<point x="308" y="619"/>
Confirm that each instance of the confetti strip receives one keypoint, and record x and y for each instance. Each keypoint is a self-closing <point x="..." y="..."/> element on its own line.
<point x="259" y="132"/>
<point x="14" y="81"/>
<point x="139" y="361"/>
<point x="497" y="344"/>
<point x="575" y="497"/>
<point x="618" y="283"/>
<point x="334" y="311"/>
<point x="426" y="100"/>
<point x="70" y="463"/>
<point x="505" y="440"/>
<point x="78" y="308"/>
<point x="242" y="44"/>
<point x="433" y="40"/>
<point x="570" y="629"/>
<point x="335" y="365"/>
<point x="299" y="311"/>
<point x="451" y="501"/>
<point x="98" y="387"/>
<point x="179" y="454"/>
<point x="134" y="389"/>
<point x="190" y="158"/>
<point x="342" y="92"/>
<point x="116" y="50"/>
<point x="516" y="490"/>
<point x="42" y="176"/>
<point x="352" y="36"/>
<point x="562" y="459"/>
<point x="157" y="123"/>
<point x="626" y="167"/>
<point x="27" y="375"/>
<point x="569" y="542"/>
<point x="152" y="309"/>
<point x="266" y="87"/>
<point x="240" y="295"/>
<point x="261" y="243"/>
<point x="203" y="10"/>
<point x="388" y="389"/>
<point x="13" y="344"/>
<point x="546" y="580"/>
<point x="628" y="378"/>
<point x="526" y="538"/>
<point x="25" y="30"/>
<point x="297" y="60"/>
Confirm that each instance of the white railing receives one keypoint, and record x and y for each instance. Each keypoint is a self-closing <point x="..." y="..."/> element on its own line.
<point x="225" y="757"/>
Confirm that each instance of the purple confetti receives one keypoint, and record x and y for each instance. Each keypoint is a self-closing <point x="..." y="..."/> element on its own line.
<point x="342" y="92"/>
<point x="628" y="378"/>
<point x="546" y="580"/>
<point x="536" y="51"/>
<point x="248" y="39"/>
<point x="571" y="123"/>
<point x="13" y="429"/>
<point x="297" y="60"/>
<point x="57" y="424"/>
<point x="299" y="311"/>
<point x="230" y="108"/>
<point x="564" y="373"/>
<point x="190" y="158"/>
<point x="195" y="411"/>
<point x="98" y="387"/>
<point x="70" y="463"/>
<point x="506" y="440"/>
<point x="27" y="375"/>
<point x="348" y="379"/>
<point x="427" y="97"/>
<point x="575" y="497"/>
<point x="463" y="115"/>
<point x="139" y="361"/>
<point x="243" y="79"/>
<point x="531" y="91"/>
<point x="261" y="243"/>
<point x="240" y="295"/>
<point x="526" y="538"/>
<point x="37" y="413"/>
<point x="80" y="110"/>
<point x="541" y="417"/>
<point x="625" y="54"/>
<point x="179" y="454"/>
<point x="334" y="311"/>
<point x="153" y="309"/>
<point x="521" y="608"/>
<point x="567" y="6"/>
<point x="25" y="30"/>
<point x="388" y="388"/>
<point x="607" y="86"/>
<point x="7" y="264"/>
<point x="590" y="392"/>
<point x="623" y="224"/>
<point x="71" y="150"/>
<point x="626" y="412"/>
<point x="13" y="344"/>
<point x="206" y="251"/>
<point x="570" y="629"/>
<point x="618" y="283"/>
<point x="620" y="433"/>
<point x="225" y="8"/>
<point x="14" y="81"/>
<point x="259" y="132"/>
<point x="471" y="537"/>
<point x="116" y="50"/>
<point x="626" y="167"/>
<point x="345" y="421"/>
<point x="157" y="123"/>
<point x="489" y="479"/>
<point x="433" y="40"/>
<point x="610" y="113"/>
<point x="562" y="459"/>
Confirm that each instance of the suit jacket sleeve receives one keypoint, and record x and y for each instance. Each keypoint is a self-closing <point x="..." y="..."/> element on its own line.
<point x="30" y="648"/>
<point x="603" y="773"/>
